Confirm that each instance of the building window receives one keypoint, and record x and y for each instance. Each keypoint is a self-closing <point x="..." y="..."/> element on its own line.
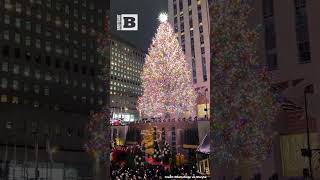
<point x="200" y="17"/>
<point x="202" y="50"/>
<point x="28" y="41"/>
<point x="92" y="87"/>
<point x="204" y="69"/>
<point x="38" y="28"/>
<point x="46" y="91"/>
<point x="66" y="9"/>
<point x="38" y="43"/>
<point x="58" y="21"/>
<point x="28" y="56"/>
<point x="48" y="61"/>
<point x="201" y="29"/>
<point x="182" y="27"/>
<point x="15" y="85"/>
<point x="182" y="39"/>
<point x="17" y="38"/>
<point x="17" y="53"/>
<point x="18" y="23"/>
<point x="36" y="104"/>
<point x="180" y="5"/>
<point x="28" y="25"/>
<point x="48" y="76"/>
<point x="83" y="56"/>
<point x="181" y="18"/>
<point x="84" y="100"/>
<point x="15" y="100"/>
<point x="7" y="4"/>
<point x="75" y="68"/>
<point x="38" y="59"/>
<point x="189" y="2"/>
<point x="100" y="101"/>
<point x="201" y="39"/>
<point x="84" y="70"/>
<point x="26" y="71"/>
<point x="58" y="6"/>
<point x="194" y="71"/>
<point x="190" y="22"/>
<point x="270" y="35"/>
<point x="18" y="7"/>
<point x="272" y="62"/>
<point x="302" y="32"/>
<point x="5" y="67"/>
<point x="4" y="98"/>
<point x="75" y="13"/>
<point x="48" y="46"/>
<point x="28" y="11"/>
<point x="6" y="35"/>
<point x="36" y="89"/>
<point x="91" y="100"/>
<point x="15" y="69"/>
<point x="37" y="74"/>
<point x="6" y="19"/>
<point x="267" y="8"/>
<point x="48" y="3"/>
<point x="25" y="87"/>
<point x="84" y="84"/>
<point x="4" y="83"/>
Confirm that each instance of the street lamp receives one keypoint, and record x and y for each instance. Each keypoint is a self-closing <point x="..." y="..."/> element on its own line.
<point x="206" y="90"/>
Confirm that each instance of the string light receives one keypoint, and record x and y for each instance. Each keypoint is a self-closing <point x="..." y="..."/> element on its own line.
<point x="163" y="17"/>
<point x="166" y="77"/>
<point x="244" y="106"/>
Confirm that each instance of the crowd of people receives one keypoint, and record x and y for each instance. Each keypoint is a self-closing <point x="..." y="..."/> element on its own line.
<point x="121" y="172"/>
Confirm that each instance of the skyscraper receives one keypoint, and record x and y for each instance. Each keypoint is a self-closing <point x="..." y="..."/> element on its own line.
<point x="190" y="20"/>
<point x="125" y="82"/>
<point x="50" y="83"/>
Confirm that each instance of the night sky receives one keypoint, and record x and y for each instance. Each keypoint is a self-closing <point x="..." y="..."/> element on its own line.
<point x="147" y="10"/>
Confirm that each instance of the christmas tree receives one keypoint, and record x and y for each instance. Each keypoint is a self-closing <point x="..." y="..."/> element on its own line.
<point x="140" y="156"/>
<point x="166" y="153"/>
<point x="166" y="77"/>
<point x="244" y="105"/>
<point x="148" y="141"/>
<point x="157" y="152"/>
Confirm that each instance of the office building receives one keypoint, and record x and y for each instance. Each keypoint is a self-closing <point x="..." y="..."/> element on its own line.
<point x="50" y="82"/>
<point x="125" y="81"/>
<point x="190" y="20"/>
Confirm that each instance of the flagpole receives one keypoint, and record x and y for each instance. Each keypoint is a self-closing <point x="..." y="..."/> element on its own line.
<point x="306" y="91"/>
<point x="25" y="152"/>
<point x="47" y="148"/>
<point x="15" y="158"/>
<point x="36" y="150"/>
<point x="25" y="161"/>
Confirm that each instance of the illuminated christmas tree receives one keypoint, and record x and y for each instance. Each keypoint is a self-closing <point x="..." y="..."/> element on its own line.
<point x="166" y="77"/>
<point x="166" y="154"/>
<point x="140" y="156"/>
<point x="148" y="141"/>
<point x="244" y="105"/>
<point x="157" y="152"/>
